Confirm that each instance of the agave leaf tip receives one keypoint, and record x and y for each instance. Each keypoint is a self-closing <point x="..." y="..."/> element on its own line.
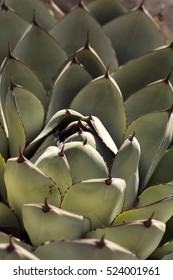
<point x="46" y="208"/>
<point x="61" y="153"/>
<point x="148" y="223"/>
<point x="108" y="180"/>
<point x="101" y="243"/>
<point x="131" y="137"/>
<point x="10" y="247"/>
<point x="21" y="157"/>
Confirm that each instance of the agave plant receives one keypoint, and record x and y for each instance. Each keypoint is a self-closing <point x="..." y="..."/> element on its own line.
<point x="86" y="133"/>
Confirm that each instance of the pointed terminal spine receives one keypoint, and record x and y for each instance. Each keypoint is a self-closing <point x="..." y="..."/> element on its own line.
<point x="170" y="110"/>
<point x="107" y="75"/>
<point x="101" y="243"/>
<point x="46" y="208"/>
<point x="35" y="19"/>
<point x="168" y="78"/>
<point x="148" y="223"/>
<point x="21" y="158"/>
<point x="131" y="137"/>
<point x="3" y="6"/>
<point x="74" y="59"/>
<point x="141" y="6"/>
<point x="61" y="153"/>
<point x="87" y="42"/>
<point x="10" y="248"/>
<point x="85" y="142"/>
<point x="108" y="181"/>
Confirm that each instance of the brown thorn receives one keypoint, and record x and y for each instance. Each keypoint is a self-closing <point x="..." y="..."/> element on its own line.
<point x="148" y="223"/>
<point x="46" y="208"/>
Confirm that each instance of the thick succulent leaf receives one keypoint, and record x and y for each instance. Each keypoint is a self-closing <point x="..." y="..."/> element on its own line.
<point x="100" y="200"/>
<point x="133" y="34"/>
<point x="3" y="143"/>
<point x="161" y="210"/>
<point x="3" y="191"/>
<point x="63" y="224"/>
<point x="125" y="166"/>
<point x="90" y="60"/>
<point x="163" y="251"/>
<point x="154" y="133"/>
<point x="31" y="112"/>
<point x="95" y="142"/>
<point x="103" y="134"/>
<point x="12" y="28"/>
<point x="58" y="122"/>
<point x="154" y="194"/>
<point x="154" y="97"/>
<point x="168" y="256"/>
<point x="71" y="32"/>
<point x="69" y="82"/>
<point x="23" y="76"/>
<point x="15" y="127"/>
<point x="102" y="98"/>
<point x="50" y="140"/>
<point x="7" y="218"/>
<point x="4" y="238"/>
<point x="91" y="163"/>
<point x="105" y="11"/>
<point x="15" y="252"/>
<point x="163" y="172"/>
<point x="41" y="52"/>
<point x="25" y="10"/>
<point x="26" y="183"/>
<point x="83" y="249"/>
<point x="141" y="237"/>
<point x="54" y="164"/>
<point x="144" y="70"/>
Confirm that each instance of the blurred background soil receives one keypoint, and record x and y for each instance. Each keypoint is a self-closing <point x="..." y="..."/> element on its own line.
<point x="161" y="10"/>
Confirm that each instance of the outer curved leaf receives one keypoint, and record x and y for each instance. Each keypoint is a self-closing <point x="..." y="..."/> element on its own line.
<point x="23" y="76"/>
<point x="12" y="28"/>
<point x="83" y="249"/>
<point x="25" y="9"/>
<point x="56" y="166"/>
<point x="96" y="200"/>
<point x="68" y="83"/>
<point x="111" y="8"/>
<point x="125" y="166"/>
<point x="134" y="236"/>
<point x="154" y="194"/>
<point x="16" y="131"/>
<point x="144" y="70"/>
<point x="163" y="252"/>
<point x="3" y="191"/>
<point x="4" y="145"/>
<point x="31" y="112"/>
<point x="71" y="32"/>
<point x="161" y="210"/>
<point x="154" y="97"/>
<point x="7" y="218"/>
<point x="26" y="183"/>
<point x="102" y="98"/>
<point x="65" y="225"/>
<point x="138" y="31"/>
<point x="163" y="172"/>
<point x="41" y="52"/>
<point x="154" y="133"/>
